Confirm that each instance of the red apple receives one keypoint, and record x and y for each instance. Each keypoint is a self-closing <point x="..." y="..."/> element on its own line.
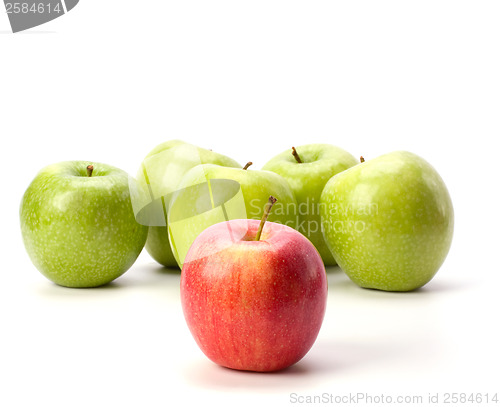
<point x="253" y="304"/>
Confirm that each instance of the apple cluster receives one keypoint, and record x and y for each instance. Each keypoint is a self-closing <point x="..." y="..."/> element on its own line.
<point x="253" y="281"/>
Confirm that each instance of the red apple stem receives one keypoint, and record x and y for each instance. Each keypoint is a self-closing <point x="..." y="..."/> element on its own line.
<point x="90" y="168"/>
<point x="248" y="164"/>
<point x="362" y="159"/>
<point x="267" y="210"/>
<point x="296" y="155"/>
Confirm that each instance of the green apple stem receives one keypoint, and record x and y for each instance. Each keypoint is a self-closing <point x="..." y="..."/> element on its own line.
<point x="90" y="168"/>
<point x="248" y="164"/>
<point x="296" y="155"/>
<point x="362" y="159"/>
<point x="267" y="210"/>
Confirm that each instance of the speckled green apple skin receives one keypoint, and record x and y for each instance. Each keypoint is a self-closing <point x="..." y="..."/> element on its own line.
<point x="80" y="231"/>
<point x="320" y="162"/>
<point x="388" y="221"/>
<point x="158" y="243"/>
<point x="256" y="186"/>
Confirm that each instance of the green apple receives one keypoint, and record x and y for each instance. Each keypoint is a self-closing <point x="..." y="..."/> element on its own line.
<point x="388" y="221"/>
<point x="158" y="178"/>
<point x="307" y="169"/>
<point x="210" y="194"/>
<point x="78" y="225"/>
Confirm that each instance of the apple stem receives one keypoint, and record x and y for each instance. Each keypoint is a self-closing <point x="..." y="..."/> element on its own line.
<point x="90" y="168"/>
<point x="248" y="164"/>
<point x="267" y="210"/>
<point x="362" y="159"/>
<point x="296" y="155"/>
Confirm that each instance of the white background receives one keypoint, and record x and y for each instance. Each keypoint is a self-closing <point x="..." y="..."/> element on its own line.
<point x="114" y="78"/>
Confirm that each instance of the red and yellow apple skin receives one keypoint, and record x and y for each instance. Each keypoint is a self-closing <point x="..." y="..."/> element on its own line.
<point x="253" y="305"/>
